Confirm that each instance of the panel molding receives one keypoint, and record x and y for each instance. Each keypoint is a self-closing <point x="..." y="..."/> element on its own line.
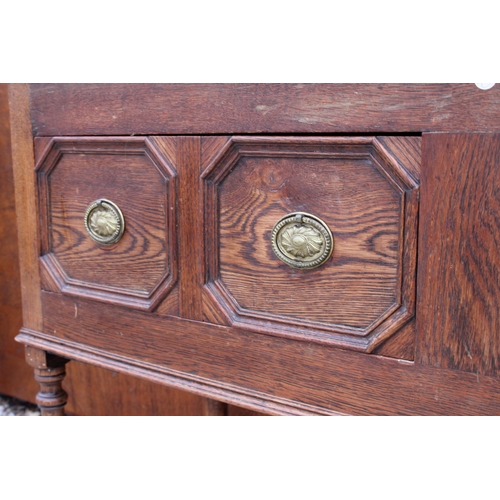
<point x="405" y="183"/>
<point x="52" y="269"/>
<point x="196" y="385"/>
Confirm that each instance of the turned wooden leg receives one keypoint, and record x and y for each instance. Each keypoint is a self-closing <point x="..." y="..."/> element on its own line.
<point x="49" y="373"/>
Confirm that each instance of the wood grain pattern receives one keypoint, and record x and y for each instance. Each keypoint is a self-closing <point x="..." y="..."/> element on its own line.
<point x="185" y="152"/>
<point x="211" y="147"/>
<point x="74" y="172"/>
<point x="26" y="203"/>
<point x="94" y="391"/>
<point x="212" y="312"/>
<point x="190" y="229"/>
<point x="258" y="371"/>
<point x="406" y="151"/>
<point x="365" y="199"/>
<point x="42" y="146"/>
<point x="459" y="256"/>
<point x="283" y="364"/>
<point x="170" y="305"/>
<point x="16" y="377"/>
<point x="124" y="109"/>
<point x="401" y="345"/>
<point x="365" y="222"/>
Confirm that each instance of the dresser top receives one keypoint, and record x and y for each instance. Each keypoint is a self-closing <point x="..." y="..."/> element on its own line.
<point x="150" y="109"/>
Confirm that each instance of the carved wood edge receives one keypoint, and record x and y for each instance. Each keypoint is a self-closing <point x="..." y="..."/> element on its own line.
<point x="56" y="279"/>
<point x="308" y="331"/>
<point x="200" y="386"/>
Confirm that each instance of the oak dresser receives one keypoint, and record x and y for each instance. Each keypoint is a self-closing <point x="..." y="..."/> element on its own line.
<point x="292" y="249"/>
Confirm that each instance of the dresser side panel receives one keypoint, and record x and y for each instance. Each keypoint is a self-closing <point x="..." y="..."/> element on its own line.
<point x="458" y="317"/>
<point x="26" y="203"/>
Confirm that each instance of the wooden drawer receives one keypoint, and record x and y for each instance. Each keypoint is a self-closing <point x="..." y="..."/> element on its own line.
<point x="364" y="189"/>
<point x="141" y="269"/>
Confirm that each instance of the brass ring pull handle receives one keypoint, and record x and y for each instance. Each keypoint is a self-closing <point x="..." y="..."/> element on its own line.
<point x="302" y="240"/>
<point x="104" y="222"/>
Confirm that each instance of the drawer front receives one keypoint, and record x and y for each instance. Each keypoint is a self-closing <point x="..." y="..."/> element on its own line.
<point x="365" y="190"/>
<point x="140" y="269"/>
<point x="350" y="284"/>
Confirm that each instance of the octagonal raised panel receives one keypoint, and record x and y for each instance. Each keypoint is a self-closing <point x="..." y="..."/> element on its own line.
<point x="364" y="188"/>
<point x="140" y="269"/>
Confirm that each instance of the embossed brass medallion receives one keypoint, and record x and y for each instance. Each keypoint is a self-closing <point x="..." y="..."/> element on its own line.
<point x="104" y="222"/>
<point x="302" y="240"/>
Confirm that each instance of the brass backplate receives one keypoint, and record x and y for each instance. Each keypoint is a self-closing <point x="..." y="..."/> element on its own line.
<point x="302" y="240"/>
<point x="104" y="222"/>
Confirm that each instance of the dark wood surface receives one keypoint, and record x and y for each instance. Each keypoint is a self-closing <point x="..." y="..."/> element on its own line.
<point x="92" y="390"/>
<point x="259" y="371"/>
<point x="141" y="268"/>
<point x="401" y="345"/>
<point x="365" y="189"/>
<point x="16" y="377"/>
<point x="26" y="196"/>
<point x="210" y="351"/>
<point x="369" y="207"/>
<point x="459" y="263"/>
<point x="191" y="234"/>
<point x="125" y="176"/>
<point x="125" y="109"/>
<point x="95" y="391"/>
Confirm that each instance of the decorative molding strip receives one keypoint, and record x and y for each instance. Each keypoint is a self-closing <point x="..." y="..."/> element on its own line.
<point x="198" y="385"/>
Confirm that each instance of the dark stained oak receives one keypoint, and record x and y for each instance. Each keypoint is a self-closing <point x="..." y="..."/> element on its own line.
<point x="92" y="390"/>
<point x="355" y="201"/>
<point x="406" y="150"/>
<point x="369" y="201"/>
<point x="141" y="268"/>
<point x="260" y="372"/>
<point x="380" y="334"/>
<point x="190" y="231"/>
<point x="400" y="345"/>
<point x="459" y="253"/>
<point x="16" y="377"/>
<point x="160" y="109"/>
